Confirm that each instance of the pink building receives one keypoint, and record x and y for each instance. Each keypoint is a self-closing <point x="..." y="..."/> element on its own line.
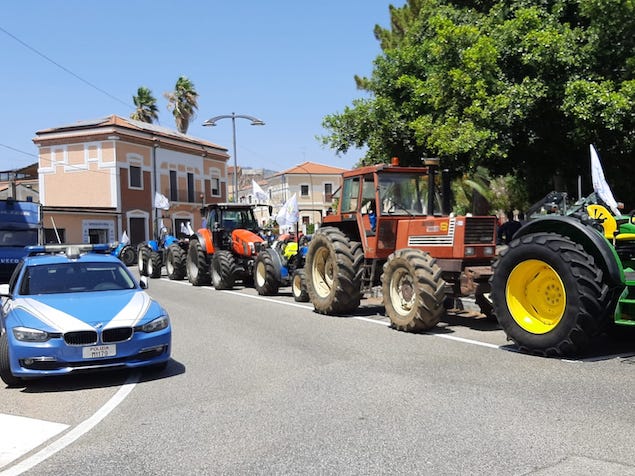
<point x="99" y="178"/>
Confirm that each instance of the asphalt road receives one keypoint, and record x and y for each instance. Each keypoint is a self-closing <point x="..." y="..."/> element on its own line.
<point x="267" y="386"/>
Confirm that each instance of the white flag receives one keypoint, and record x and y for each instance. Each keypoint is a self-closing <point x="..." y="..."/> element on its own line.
<point x="186" y="229"/>
<point x="599" y="182"/>
<point x="288" y="214"/>
<point x="161" y="201"/>
<point x="124" y="238"/>
<point x="258" y="192"/>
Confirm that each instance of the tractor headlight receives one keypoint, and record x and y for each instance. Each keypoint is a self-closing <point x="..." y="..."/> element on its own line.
<point x="470" y="251"/>
<point x="488" y="251"/>
<point x="26" y="334"/>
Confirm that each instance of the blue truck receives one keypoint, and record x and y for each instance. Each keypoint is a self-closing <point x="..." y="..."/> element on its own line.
<point x="20" y="226"/>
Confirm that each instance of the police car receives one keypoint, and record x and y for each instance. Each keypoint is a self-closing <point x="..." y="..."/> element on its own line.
<point x="76" y="307"/>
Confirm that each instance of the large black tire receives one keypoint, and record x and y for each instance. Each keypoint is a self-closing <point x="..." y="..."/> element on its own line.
<point x="143" y="256"/>
<point x="298" y="286"/>
<point x="334" y="272"/>
<point x="5" y="366"/>
<point x="127" y="255"/>
<point x="197" y="267"/>
<point x="175" y="262"/>
<point x="265" y="280"/>
<point x="223" y="270"/>
<point x="154" y="264"/>
<point x="548" y="295"/>
<point x="413" y="290"/>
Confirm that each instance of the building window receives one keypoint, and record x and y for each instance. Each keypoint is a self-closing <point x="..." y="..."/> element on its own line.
<point x="328" y="192"/>
<point x="215" y="186"/>
<point x="51" y="235"/>
<point x="304" y="190"/>
<point x="190" y="188"/>
<point x="134" y="176"/>
<point x="174" y="190"/>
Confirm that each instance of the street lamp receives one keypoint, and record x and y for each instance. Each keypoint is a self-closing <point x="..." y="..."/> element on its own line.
<point x="233" y="116"/>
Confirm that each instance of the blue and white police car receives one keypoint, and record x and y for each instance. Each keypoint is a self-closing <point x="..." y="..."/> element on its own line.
<point x="77" y="307"/>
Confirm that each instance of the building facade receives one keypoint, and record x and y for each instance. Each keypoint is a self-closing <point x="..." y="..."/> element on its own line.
<point x="99" y="179"/>
<point x="313" y="184"/>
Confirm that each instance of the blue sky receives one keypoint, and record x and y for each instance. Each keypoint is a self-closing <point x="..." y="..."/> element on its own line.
<point x="289" y="63"/>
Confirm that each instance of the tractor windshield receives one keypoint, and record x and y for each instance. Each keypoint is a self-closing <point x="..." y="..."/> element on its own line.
<point x="405" y="194"/>
<point x="239" y="219"/>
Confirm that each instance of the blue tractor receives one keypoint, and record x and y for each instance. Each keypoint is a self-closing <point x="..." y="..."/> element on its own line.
<point x="168" y="250"/>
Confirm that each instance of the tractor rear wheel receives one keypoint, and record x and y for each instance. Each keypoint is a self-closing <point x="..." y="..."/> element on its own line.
<point x="5" y="364"/>
<point x="334" y="272"/>
<point x="265" y="280"/>
<point x="298" y="286"/>
<point x="413" y="290"/>
<point x="127" y="255"/>
<point x="197" y="267"/>
<point x="175" y="262"/>
<point x="154" y="264"/>
<point x="143" y="255"/>
<point x="223" y="270"/>
<point x="548" y="295"/>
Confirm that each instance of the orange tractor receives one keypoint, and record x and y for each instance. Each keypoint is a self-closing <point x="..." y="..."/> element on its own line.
<point x="393" y="229"/>
<point x="225" y="249"/>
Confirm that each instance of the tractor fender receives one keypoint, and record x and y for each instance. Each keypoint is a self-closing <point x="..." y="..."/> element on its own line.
<point x="591" y="240"/>
<point x="170" y="239"/>
<point x="204" y="236"/>
<point x="153" y="245"/>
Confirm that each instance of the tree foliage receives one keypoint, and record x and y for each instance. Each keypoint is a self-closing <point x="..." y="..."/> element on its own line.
<point x="146" y="106"/>
<point x="519" y="87"/>
<point x="183" y="102"/>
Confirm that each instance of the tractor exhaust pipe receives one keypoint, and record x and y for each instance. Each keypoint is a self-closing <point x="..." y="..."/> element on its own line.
<point x="433" y="165"/>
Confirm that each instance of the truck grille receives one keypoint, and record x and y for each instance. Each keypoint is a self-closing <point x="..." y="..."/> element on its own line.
<point x="479" y="230"/>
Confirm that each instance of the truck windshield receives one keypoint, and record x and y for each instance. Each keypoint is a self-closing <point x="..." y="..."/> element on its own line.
<point x="18" y="237"/>
<point x="405" y="194"/>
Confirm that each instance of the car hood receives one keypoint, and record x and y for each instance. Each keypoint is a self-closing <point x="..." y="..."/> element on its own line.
<point x="85" y="311"/>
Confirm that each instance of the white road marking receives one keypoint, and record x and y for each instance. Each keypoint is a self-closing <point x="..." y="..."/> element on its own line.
<point x="20" y="435"/>
<point x="77" y="431"/>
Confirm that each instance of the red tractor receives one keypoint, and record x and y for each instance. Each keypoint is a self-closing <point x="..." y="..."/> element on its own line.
<point x="393" y="228"/>
<point x="224" y="250"/>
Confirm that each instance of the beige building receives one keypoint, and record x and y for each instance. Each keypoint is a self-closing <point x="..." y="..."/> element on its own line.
<point x="98" y="179"/>
<point x="313" y="184"/>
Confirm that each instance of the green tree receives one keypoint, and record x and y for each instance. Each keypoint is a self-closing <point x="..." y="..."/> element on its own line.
<point x="183" y="102"/>
<point x="517" y="86"/>
<point x="146" y="106"/>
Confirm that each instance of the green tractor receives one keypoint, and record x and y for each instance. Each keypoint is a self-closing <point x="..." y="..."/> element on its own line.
<point x="566" y="278"/>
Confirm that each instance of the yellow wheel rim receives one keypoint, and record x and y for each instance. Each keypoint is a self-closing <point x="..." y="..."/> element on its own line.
<point x="536" y="297"/>
<point x="324" y="268"/>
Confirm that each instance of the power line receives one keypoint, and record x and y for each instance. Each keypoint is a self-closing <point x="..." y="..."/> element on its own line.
<point x="66" y="69"/>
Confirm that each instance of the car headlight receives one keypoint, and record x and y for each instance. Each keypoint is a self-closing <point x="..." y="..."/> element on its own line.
<point x="27" y="334"/>
<point x="157" y="324"/>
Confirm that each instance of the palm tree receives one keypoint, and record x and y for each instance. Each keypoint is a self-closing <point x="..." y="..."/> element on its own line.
<point x="146" y="103"/>
<point x="182" y="102"/>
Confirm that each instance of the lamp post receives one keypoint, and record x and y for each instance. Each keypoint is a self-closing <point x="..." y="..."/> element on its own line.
<point x="233" y="116"/>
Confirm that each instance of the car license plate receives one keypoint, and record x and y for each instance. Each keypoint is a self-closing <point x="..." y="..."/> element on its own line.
<point x="99" y="351"/>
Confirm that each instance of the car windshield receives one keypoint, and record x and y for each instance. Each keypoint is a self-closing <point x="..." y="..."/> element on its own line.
<point x="73" y="277"/>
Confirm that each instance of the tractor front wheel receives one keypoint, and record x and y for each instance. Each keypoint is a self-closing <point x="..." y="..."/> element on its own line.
<point x="127" y="255"/>
<point x="548" y="295"/>
<point x="265" y="280"/>
<point x="298" y="286"/>
<point x="334" y="272"/>
<point x="154" y="264"/>
<point x="143" y="255"/>
<point x="223" y="270"/>
<point x="175" y="263"/>
<point x="413" y="290"/>
<point x="197" y="267"/>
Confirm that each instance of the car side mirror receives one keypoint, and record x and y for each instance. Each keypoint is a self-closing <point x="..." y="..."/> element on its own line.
<point x="143" y="282"/>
